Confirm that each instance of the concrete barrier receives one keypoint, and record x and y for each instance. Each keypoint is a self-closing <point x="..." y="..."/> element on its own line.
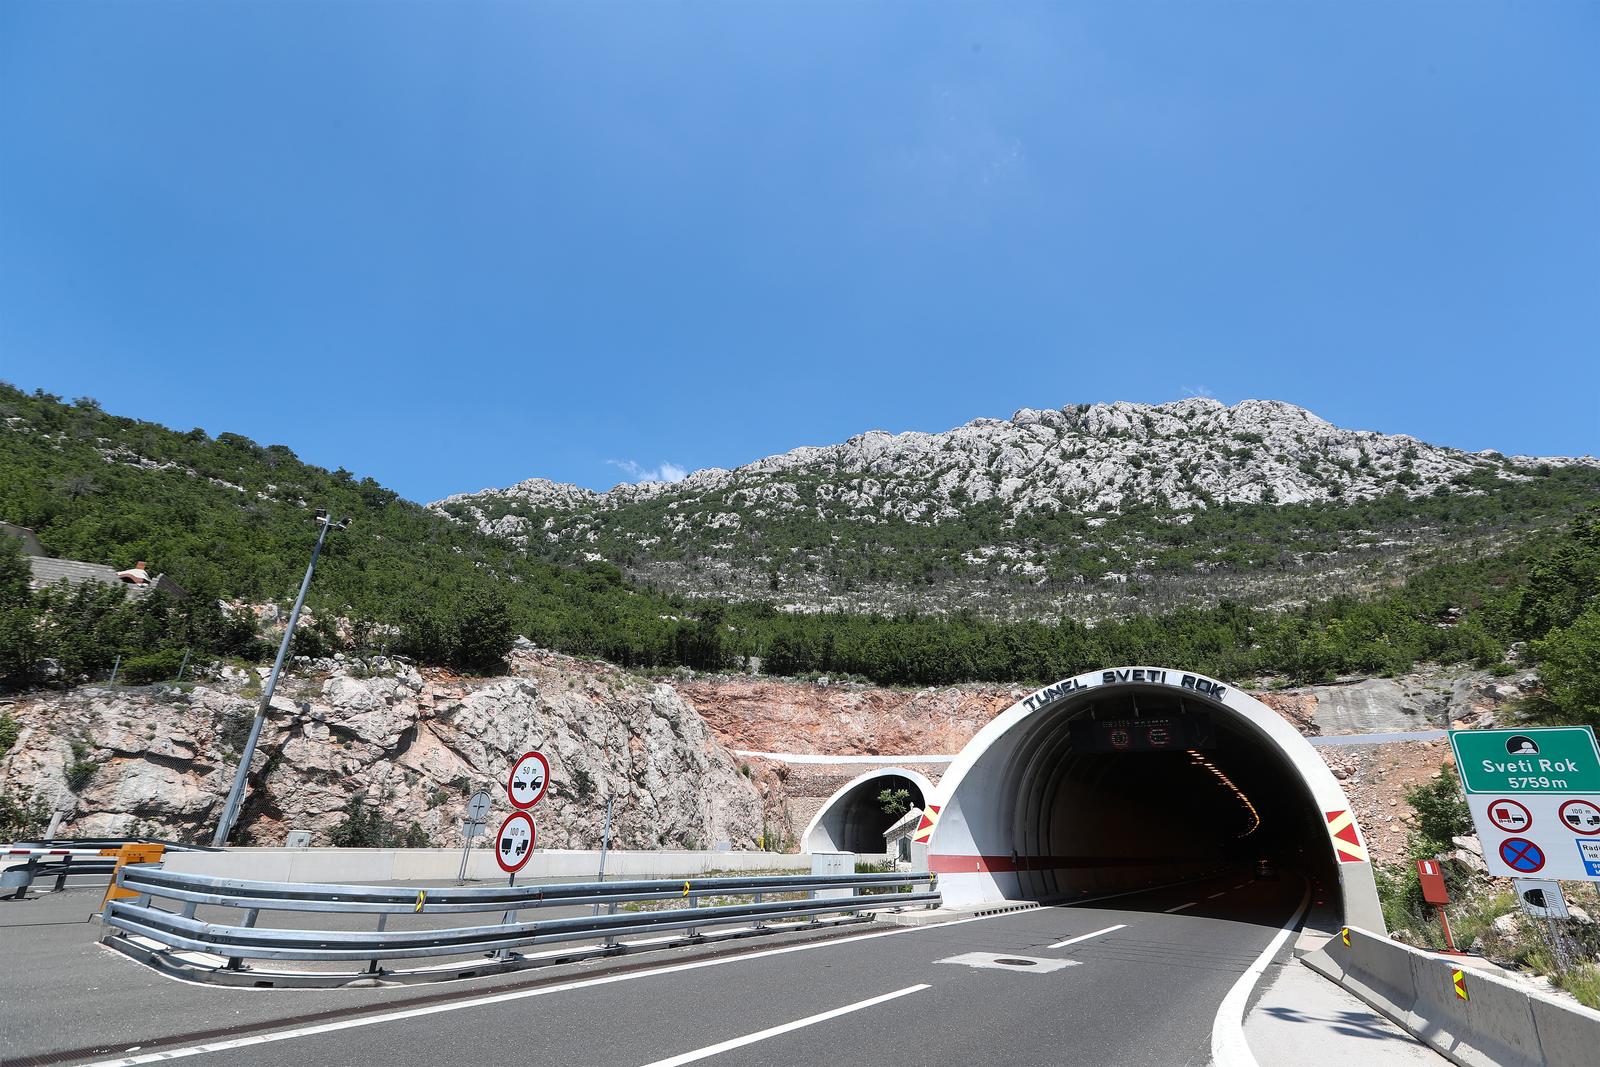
<point x="364" y="865"/>
<point x="1567" y="1033"/>
<point x="1500" y="1023"/>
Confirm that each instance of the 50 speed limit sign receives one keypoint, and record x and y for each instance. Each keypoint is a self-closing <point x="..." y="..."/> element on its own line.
<point x="513" y="845"/>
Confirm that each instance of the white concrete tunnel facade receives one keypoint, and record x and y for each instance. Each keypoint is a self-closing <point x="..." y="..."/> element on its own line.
<point x="831" y="829"/>
<point x="977" y="810"/>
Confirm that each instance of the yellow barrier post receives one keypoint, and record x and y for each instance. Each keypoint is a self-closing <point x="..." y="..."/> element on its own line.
<point x="130" y="854"/>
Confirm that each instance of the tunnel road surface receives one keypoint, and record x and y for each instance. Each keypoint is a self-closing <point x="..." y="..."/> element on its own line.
<point x="1135" y="980"/>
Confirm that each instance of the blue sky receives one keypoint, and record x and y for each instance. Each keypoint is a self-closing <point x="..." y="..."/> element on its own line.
<point x="453" y="245"/>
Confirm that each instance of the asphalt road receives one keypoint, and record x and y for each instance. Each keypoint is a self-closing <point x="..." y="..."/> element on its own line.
<point x="1143" y="993"/>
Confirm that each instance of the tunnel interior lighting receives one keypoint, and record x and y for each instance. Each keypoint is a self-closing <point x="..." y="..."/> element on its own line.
<point x="1199" y="760"/>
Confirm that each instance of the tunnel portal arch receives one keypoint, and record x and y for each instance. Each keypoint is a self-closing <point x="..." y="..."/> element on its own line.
<point x="1069" y="793"/>
<point x="851" y="821"/>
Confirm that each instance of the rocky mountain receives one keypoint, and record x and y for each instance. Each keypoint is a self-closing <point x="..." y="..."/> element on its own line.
<point x="412" y="746"/>
<point x="677" y="755"/>
<point x="1099" y="509"/>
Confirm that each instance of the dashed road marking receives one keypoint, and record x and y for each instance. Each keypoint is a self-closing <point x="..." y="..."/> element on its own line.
<point x="1180" y="907"/>
<point x="1214" y="896"/>
<point x="1085" y="937"/>
<point x="774" y="1031"/>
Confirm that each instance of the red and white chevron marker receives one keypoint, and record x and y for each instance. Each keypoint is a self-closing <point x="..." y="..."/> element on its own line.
<point x="930" y="815"/>
<point x="1346" y="838"/>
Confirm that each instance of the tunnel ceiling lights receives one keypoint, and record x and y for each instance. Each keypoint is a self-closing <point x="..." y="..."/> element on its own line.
<point x="1200" y="760"/>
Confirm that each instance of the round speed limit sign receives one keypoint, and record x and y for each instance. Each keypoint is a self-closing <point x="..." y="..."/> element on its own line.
<point x="513" y="845"/>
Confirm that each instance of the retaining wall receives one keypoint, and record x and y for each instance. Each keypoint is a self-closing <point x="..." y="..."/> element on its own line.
<point x="1500" y="1024"/>
<point x="366" y="865"/>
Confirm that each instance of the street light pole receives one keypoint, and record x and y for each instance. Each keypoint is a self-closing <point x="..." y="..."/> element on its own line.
<point x="236" y="795"/>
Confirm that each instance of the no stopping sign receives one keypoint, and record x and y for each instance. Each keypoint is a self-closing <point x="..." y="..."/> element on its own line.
<point x="513" y="845"/>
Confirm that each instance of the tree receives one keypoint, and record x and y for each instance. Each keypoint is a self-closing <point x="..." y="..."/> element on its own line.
<point x="484" y="634"/>
<point x="1567" y="660"/>
<point x="20" y="646"/>
<point x="895" y="802"/>
<point x="1442" y="812"/>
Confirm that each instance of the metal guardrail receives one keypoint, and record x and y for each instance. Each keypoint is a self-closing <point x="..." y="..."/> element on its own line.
<point x="63" y="857"/>
<point x="170" y="939"/>
<point x="94" y="844"/>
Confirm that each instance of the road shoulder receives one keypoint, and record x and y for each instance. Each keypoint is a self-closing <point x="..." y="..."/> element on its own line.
<point x="1305" y="1020"/>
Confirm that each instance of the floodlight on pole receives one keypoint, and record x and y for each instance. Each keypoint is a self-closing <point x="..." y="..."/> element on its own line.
<point x="230" y="811"/>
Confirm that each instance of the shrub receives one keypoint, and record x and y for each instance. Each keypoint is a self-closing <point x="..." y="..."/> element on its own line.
<point x="82" y="769"/>
<point x="365" y="826"/>
<point x="1442" y="812"/>
<point x="8" y="733"/>
<point x="22" y="815"/>
<point x="152" y="667"/>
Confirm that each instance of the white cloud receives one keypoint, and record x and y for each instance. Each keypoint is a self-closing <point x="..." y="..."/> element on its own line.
<point x="666" y="472"/>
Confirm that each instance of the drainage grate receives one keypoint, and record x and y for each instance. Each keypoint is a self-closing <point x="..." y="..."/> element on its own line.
<point x="1009" y="962"/>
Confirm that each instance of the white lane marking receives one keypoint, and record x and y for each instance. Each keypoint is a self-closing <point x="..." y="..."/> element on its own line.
<point x="1085" y="937"/>
<point x="502" y="998"/>
<point x="1214" y="896"/>
<point x="1228" y="1046"/>
<point x="1180" y="907"/>
<point x="774" y="1031"/>
<point x="1241" y="885"/>
<point x="1129" y="892"/>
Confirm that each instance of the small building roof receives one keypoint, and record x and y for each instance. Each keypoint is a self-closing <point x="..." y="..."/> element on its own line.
<point x="47" y="571"/>
<point x="30" y="540"/>
<point x="904" y="824"/>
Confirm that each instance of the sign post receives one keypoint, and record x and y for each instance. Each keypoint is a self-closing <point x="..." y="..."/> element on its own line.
<point x="1435" y="893"/>
<point x="1535" y="799"/>
<point x="472" y="826"/>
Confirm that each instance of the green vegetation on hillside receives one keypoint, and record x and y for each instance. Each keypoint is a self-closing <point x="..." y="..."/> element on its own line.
<point x="230" y="520"/>
<point x="772" y="547"/>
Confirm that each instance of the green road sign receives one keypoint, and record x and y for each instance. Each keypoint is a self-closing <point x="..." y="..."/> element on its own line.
<point x="1556" y="759"/>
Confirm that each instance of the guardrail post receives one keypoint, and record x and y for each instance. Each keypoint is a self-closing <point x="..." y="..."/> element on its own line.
<point x="694" y="902"/>
<point x="61" y="875"/>
<point x="506" y="919"/>
<point x="383" y="923"/>
<point x="610" y="940"/>
<point x="759" y="924"/>
<point x="237" y="962"/>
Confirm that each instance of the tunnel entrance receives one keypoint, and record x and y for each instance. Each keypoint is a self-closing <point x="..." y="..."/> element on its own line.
<point x="1121" y="779"/>
<point x="854" y="818"/>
